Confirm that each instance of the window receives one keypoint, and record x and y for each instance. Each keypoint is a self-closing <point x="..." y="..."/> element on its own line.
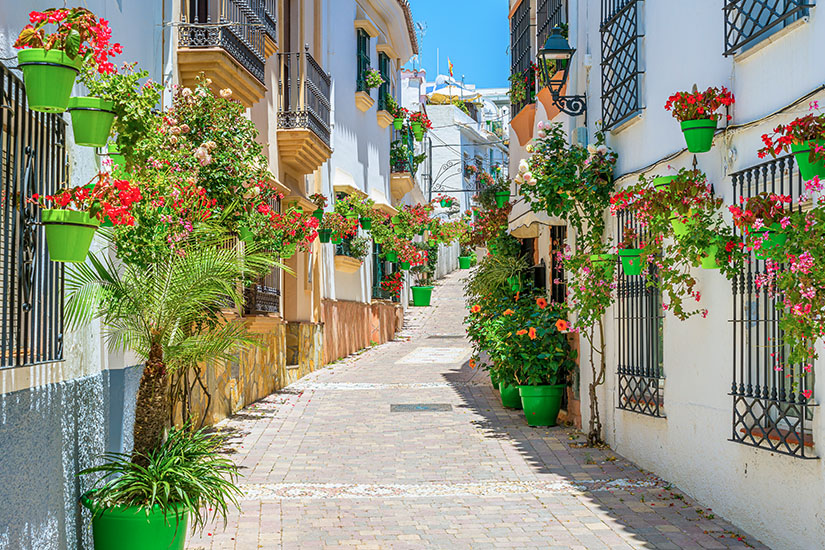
<point x="768" y="412"/>
<point x="363" y="63"/>
<point x="520" y="48"/>
<point x="549" y="14"/>
<point x="640" y="372"/>
<point x="384" y="90"/>
<point x="748" y="22"/>
<point x="620" y="61"/>
<point x="32" y="160"/>
<point x="379" y="271"/>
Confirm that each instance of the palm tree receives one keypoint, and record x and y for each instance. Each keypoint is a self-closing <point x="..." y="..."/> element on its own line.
<point x="169" y="313"/>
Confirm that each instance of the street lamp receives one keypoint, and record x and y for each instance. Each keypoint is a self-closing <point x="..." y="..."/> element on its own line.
<point x="558" y="50"/>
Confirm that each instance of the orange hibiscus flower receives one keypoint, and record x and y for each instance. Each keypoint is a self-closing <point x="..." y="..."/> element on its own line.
<point x="542" y="303"/>
<point x="561" y="325"/>
<point x="472" y="363"/>
<point x="475" y="309"/>
<point x="521" y="332"/>
<point x="531" y="333"/>
<point x="507" y="312"/>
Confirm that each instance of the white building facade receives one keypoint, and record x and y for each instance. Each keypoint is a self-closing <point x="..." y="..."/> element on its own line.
<point x="694" y="401"/>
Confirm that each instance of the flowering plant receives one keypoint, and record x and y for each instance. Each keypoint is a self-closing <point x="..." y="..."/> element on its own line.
<point x="104" y="198"/>
<point x="697" y="105"/>
<point x="523" y="85"/>
<point x="393" y="283"/>
<point x="421" y="117"/>
<point x="339" y="225"/>
<point x="441" y="198"/>
<point x="760" y="211"/>
<point x="394" y="108"/>
<point x="360" y="206"/>
<point x="79" y="32"/>
<point x="373" y="78"/>
<point x="810" y="127"/>
<point x="319" y="200"/>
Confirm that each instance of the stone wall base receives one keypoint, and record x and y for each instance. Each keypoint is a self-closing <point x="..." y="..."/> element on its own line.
<point x="351" y="326"/>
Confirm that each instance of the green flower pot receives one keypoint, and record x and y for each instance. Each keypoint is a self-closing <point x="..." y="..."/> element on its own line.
<point x="515" y="283"/>
<point x="681" y="224"/>
<point x="501" y="198"/>
<point x="663" y="181"/>
<point x="773" y="237"/>
<point x="510" y="397"/>
<point x="68" y="234"/>
<point x="324" y="235"/>
<point x="605" y="263"/>
<point x="405" y="266"/>
<point x="396" y="219"/>
<point x="422" y="295"/>
<point x="336" y="239"/>
<point x="802" y="154"/>
<point x="92" y="120"/>
<point x="318" y="214"/>
<point x="445" y="203"/>
<point x="541" y="403"/>
<point x="398" y="123"/>
<point x="366" y="223"/>
<point x="118" y="160"/>
<point x="464" y="262"/>
<point x="631" y="261"/>
<point x="709" y="261"/>
<point x="391" y="256"/>
<point x="417" y="130"/>
<point x="129" y="528"/>
<point x="699" y="134"/>
<point x="49" y="77"/>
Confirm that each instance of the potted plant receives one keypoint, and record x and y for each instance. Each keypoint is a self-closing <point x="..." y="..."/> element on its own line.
<point x="423" y="272"/>
<point x="805" y="138"/>
<point x="763" y="219"/>
<point x="399" y="113"/>
<point x="372" y="79"/>
<point x="393" y="283"/>
<point x="632" y="259"/>
<point x="71" y="216"/>
<point x="419" y="123"/>
<point x="696" y="111"/>
<point x="320" y="202"/>
<point x="335" y="227"/>
<point x="465" y="258"/>
<point x="50" y="62"/>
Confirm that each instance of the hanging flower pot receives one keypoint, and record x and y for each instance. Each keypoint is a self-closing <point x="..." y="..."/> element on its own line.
<point x="336" y="238"/>
<point x="49" y="77"/>
<point x="398" y="123"/>
<point x="501" y="198"/>
<point x="69" y="234"/>
<point x="422" y="295"/>
<point x="681" y="224"/>
<point x="117" y="158"/>
<point x="772" y="237"/>
<point x="802" y="154"/>
<point x="405" y="266"/>
<point x="351" y="215"/>
<point x="391" y="256"/>
<point x="92" y="120"/>
<point x="131" y="528"/>
<point x="604" y="263"/>
<point x="464" y="262"/>
<point x="699" y="134"/>
<point x="541" y="403"/>
<point x="324" y="235"/>
<point x="510" y="396"/>
<point x="366" y="223"/>
<point x="631" y="261"/>
<point x="663" y="181"/>
<point x="318" y="214"/>
<point x="445" y="203"/>
<point x="417" y="130"/>
<point x="709" y="260"/>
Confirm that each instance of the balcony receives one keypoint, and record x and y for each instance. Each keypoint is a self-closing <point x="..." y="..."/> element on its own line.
<point x="402" y="163"/>
<point x="303" y="112"/>
<point x="267" y="11"/>
<point x="224" y="40"/>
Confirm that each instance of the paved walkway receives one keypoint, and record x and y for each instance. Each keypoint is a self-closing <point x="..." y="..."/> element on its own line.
<point x="345" y="459"/>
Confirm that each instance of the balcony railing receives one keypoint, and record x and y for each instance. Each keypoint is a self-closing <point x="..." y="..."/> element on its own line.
<point x="403" y="162"/>
<point x="268" y="10"/>
<point x="749" y="21"/>
<point x="233" y="25"/>
<point x="304" y="89"/>
<point x="520" y="51"/>
<point x="549" y="14"/>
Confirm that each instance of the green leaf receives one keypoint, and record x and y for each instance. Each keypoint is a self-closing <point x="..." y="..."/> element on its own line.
<point x="72" y="43"/>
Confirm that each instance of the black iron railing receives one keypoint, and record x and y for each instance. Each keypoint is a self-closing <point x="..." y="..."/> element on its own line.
<point x="749" y="21"/>
<point x="32" y="160"/>
<point x="269" y="10"/>
<point x="640" y="317"/>
<point x="549" y="14"/>
<point x="520" y="49"/>
<point x="384" y="89"/>
<point x="264" y="295"/>
<point x="304" y="88"/>
<point x="402" y="151"/>
<point x="620" y="61"/>
<point x="232" y="25"/>
<point x="768" y="411"/>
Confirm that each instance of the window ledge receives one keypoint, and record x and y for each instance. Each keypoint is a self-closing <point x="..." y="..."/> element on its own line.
<point x="347" y="264"/>
<point x="778" y="435"/>
<point x="384" y="118"/>
<point x="363" y="101"/>
<point x="628" y="121"/>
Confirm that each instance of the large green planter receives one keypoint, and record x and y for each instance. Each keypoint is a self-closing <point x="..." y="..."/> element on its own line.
<point x="391" y="256"/>
<point x="366" y="223"/>
<point x="324" y="235"/>
<point x="510" y="397"/>
<point x="92" y="120"/>
<point x="631" y="261"/>
<point x="318" y="214"/>
<point x="802" y="154"/>
<point x="604" y="263"/>
<point x="69" y="234"/>
<point x="422" y="295"/>
<point x="398" y="123"/>
<point x="541" y="403"/>
<point x="773" y="237"/>
<point x="49" y="77"/>
<point x="501" y="198"/>
<point x="129" y="528"/>
<point x="699" y="134"/>
<point x="464" y="262"/>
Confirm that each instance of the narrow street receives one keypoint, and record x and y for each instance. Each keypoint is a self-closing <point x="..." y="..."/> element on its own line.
<point x="348" y="458"/>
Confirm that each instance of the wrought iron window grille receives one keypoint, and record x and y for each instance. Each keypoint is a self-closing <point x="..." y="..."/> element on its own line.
<point x="363" y="60"/>
<point x="304" y="88"/>
<point x="640" y="371"/>
<point x="549" y="14"/>
<point x="747" y="22"/>
<point x="621" y="71"/>
<point x="768" y="412"/>
<point x="384" y="90"/>
<point x="520" y="49"/>
<point x="32" y="160"/>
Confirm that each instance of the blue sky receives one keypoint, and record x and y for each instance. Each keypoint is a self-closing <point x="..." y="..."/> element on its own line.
<point x="474" y="34"/>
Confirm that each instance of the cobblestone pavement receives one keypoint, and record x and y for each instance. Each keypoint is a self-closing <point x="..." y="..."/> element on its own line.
<point x="328" y="464"/>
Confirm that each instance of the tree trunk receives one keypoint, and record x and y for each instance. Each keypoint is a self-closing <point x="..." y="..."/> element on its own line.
<point x="594" y="435"/>
<point x="152" y="408"/>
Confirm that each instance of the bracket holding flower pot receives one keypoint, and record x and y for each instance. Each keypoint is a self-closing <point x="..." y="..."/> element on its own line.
<point x="28" y="242"/>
